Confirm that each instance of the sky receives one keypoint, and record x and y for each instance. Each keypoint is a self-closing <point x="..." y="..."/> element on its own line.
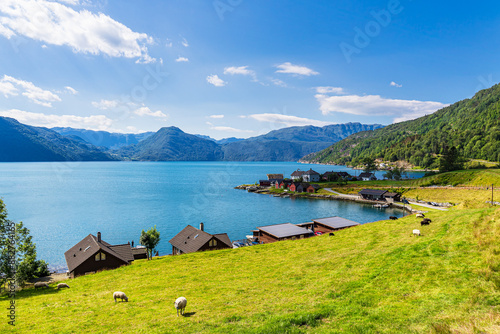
<point x="240" y="68"/>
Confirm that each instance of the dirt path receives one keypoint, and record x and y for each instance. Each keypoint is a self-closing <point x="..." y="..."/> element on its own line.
<point x="342" y="195"/>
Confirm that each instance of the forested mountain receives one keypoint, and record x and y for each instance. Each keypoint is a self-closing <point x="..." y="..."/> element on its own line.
<point x="21" y="143"/>
<point x="471" y="125"/>
<point x="290" y="144"/>
<point x="105" y="139"/>
<point x="172" y="144"/>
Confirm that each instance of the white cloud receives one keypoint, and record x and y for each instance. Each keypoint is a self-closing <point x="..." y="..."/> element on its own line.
<point x="295" y="69"/>
<point x="286" y="120"/>
<point x="374" y="105"/>
<point x="70" y="2"/>
<point x="168" y="43"/>
<point x="215" y="80"/>
<point x="71" y="90"/>
<point x="11" y="86"/>
<point x="83" y="31"/>
<point x="185" y="42"/>
<point x="105" y="104"/>
<point x="393" y="84"/>
<point x="145" y="111"/>
<point x="216" y="116"/>
<point x="94" y="122"/>
<point x="182" y="59"/>
<point x="329" y="89"/>
<point x="227" y="129"/>
<point x="241" y="70"/>
<point x="278" y="82"/>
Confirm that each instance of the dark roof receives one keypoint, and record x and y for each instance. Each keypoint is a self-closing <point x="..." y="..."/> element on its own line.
<point x="315" y="186"/>
<point x="335" y="222"/>
<point x="89" y="246"/>
<point x="344" y="174"/>
<point x="366" y="175"/>
<point x="190" y="239"/>
<point x="224" y="238"/>
<point x="330" y="173"/>
<point x="298" y="173"/>
<point x="138" y="250"/>
<point x="284" y="230"/>
<point x="276" y="180"/>
<point x="388" y="194"/>
<point x="311" y="172"/>
<point x="274" y="176"/>
<point x="375" y="192"/>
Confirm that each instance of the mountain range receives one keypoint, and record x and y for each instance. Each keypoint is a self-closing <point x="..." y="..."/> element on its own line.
<point x="168" y="144"/>
<point x="24" y="143"/>
<point x="472" y="126"/>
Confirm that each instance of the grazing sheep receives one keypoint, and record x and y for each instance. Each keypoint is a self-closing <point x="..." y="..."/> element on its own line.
<point x="180" y="304"/>
<point x="121" y="295"/>
<point x="427" y="220"/>
<point x="393" y="217"/>
<point x="62" y="285"/>
<point x="41" y="285"/>
<point x="420" y="215"/>
<point x="331" y="234"/>
<point x="416" y="232"/>
<point x="424" y="222"/>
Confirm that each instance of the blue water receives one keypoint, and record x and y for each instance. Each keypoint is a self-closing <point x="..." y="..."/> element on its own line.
<point x="63" y="202"/>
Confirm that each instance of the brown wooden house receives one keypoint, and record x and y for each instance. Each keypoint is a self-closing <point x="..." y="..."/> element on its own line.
<point x="192" y="239"/>
<point x="93" y="254"/>
<point x="279" y="232"/>
<point x="313" y="188"/>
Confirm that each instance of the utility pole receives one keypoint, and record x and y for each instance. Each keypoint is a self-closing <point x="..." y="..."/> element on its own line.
<point x="492" y="194"/>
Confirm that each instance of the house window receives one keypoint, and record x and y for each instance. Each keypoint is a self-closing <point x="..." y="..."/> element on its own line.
<point x="100" y="257"/>
<point x="212" y="243"/>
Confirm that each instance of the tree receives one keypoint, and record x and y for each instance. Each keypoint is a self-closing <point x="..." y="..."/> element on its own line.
<point x="150" y="240"/>
<point x="450" y="160"/>
<point x="18" y="252"/>
<point x="369" y="164"/>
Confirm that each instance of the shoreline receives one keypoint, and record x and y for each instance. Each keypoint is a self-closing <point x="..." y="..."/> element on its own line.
<point x="265" y="191"/>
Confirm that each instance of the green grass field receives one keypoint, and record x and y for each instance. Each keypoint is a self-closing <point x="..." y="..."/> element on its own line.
<point x="374" y="278"/>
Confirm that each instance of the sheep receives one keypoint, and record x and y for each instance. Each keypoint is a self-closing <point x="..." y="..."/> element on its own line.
<point x="62" y="285"/>
<point x="416" y="232"/>
<point x="420" y="215"/>
<point x="41" y="285"/>
<point x="120" y="295"/>
<point x="424" y="222"/>
<point x="427" y="220"/>
<point x="331" y="234"/>
<point x="393" y="217"/>
<point x="180" y="304"/>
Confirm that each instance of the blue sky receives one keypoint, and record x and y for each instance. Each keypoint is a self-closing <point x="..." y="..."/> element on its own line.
<point x="240" y="68"/>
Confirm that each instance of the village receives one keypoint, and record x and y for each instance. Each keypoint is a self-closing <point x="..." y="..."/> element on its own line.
<point x="92" y="254"/>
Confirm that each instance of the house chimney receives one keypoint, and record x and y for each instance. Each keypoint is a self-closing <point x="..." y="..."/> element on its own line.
<point x="201" y="226"/>
<point x="98" y="236"/>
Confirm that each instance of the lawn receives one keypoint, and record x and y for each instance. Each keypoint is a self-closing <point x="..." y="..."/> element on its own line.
<point x="373" y="278"/>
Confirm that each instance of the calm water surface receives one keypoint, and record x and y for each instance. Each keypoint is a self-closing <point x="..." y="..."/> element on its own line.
<point x="63" y="202"/>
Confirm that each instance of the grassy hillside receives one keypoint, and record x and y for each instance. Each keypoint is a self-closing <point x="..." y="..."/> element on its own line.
<point x="471" y="125"/>
<point x="374" y="278"/>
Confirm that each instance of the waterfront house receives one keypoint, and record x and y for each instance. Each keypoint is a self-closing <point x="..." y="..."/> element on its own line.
<point x="346" y="176"/>
<point x="192" y="239"/>
<point x="311" y="176"/>
<point x="297" y="175"/>
<point x="330" y="224"/>
<point x="330" y="176"/>
<point x="293" y="186"/>
<point x="367" y="177"/>
<point x="392" y="197"/>
<point x="284" y="184"/>
<point x="372" y="194"/>
<point x="275" y="176"/>
<point x="93" y="254"/>
<point x="264" y="183"/>
<point x="300" y="187"/>
<point x="313" y="188"/>
<point x="139" y="252"/>
<point x="279" y="232"/>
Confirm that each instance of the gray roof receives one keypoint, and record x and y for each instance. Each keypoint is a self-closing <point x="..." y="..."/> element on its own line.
<point x="375" y="192"/>
<point x="89" y="246"/>
<point x="366" y="175"/>
<point x="311" y="172"/>
<point x="335" y="222"/>
<point x="284" y="230"/>
<point x="191" y="239"/>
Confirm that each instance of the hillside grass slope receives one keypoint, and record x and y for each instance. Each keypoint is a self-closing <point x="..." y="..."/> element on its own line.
<point x="373" y="278"/>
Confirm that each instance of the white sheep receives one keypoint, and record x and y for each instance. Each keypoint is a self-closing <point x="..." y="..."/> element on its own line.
<point x="180" y="304"/>
<point x="420" y="215"/>
<point x="121" y="295"/>
<point x="62" y="285"/>
<point x="416" y="232"/>
<point x="41" y="285"/>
